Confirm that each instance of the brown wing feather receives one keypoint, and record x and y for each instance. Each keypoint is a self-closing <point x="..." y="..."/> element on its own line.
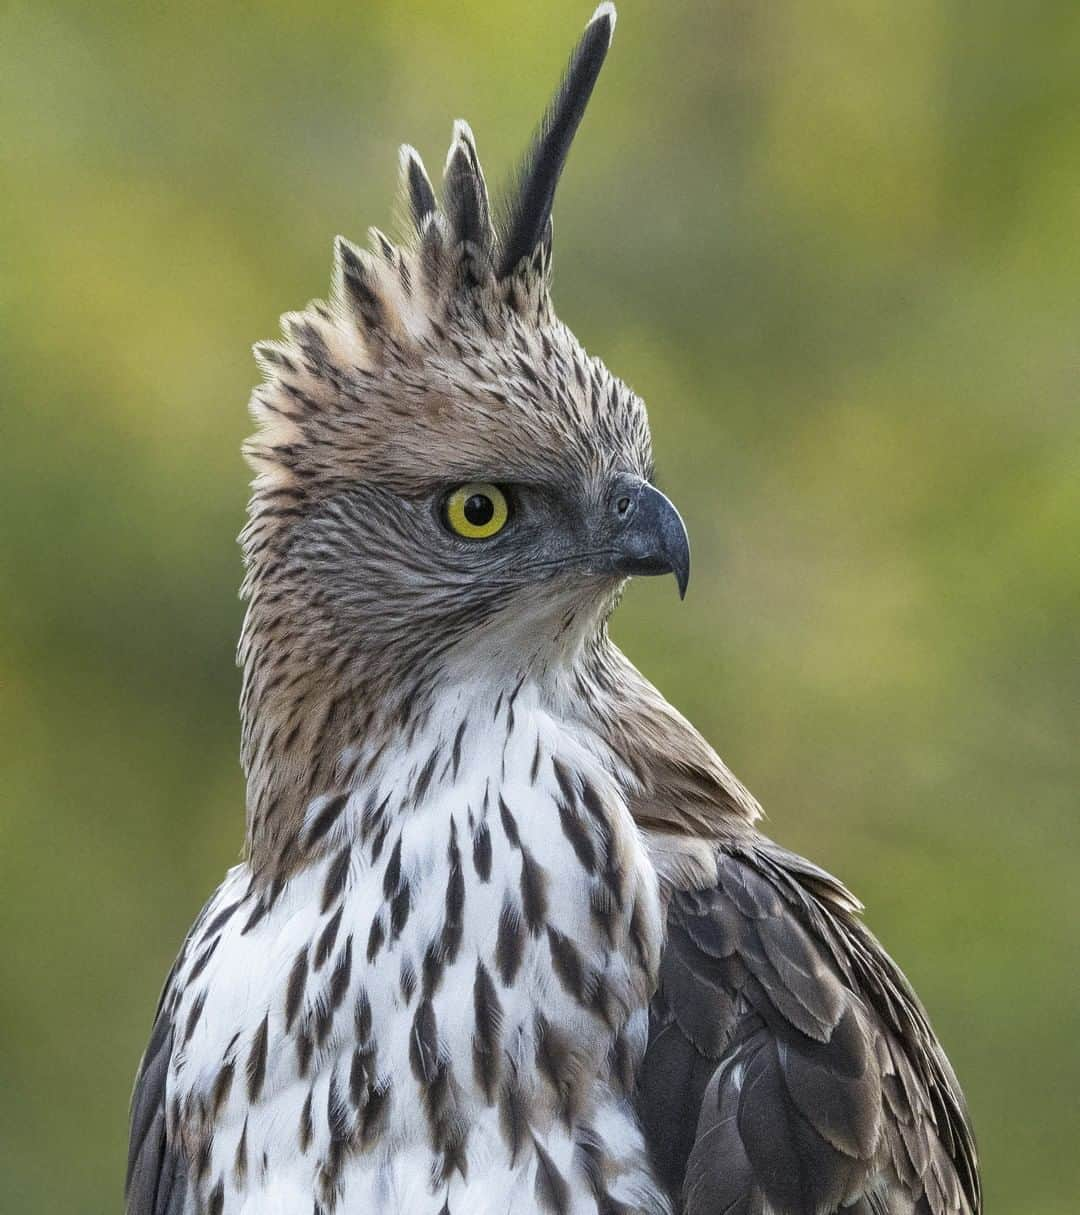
<point x="790" y="1068"/>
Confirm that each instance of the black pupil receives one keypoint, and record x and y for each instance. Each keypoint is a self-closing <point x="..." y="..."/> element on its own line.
<point x="479" y="509"/>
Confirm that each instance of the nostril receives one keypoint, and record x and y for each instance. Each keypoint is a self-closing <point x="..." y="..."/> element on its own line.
<point x="623" y="505"/>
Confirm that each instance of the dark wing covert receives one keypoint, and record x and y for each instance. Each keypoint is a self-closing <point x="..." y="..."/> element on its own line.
<point x="791" y="1069"/>
<point x="157" y="1172"/>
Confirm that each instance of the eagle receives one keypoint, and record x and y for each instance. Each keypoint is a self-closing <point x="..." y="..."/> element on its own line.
<point x="506" y="936"/>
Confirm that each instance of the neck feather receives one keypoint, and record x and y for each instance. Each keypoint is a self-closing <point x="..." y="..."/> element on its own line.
<point x="320" y="722"/>
<point x="318" y="725"/>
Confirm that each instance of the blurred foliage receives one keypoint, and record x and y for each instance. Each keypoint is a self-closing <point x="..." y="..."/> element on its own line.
<point x="833" y="245"/>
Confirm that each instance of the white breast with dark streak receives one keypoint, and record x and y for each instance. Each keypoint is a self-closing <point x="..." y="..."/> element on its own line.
<point x="440" y="1013"/>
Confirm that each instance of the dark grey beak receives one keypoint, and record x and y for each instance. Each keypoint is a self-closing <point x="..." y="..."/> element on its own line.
<point x="652" y="536"/>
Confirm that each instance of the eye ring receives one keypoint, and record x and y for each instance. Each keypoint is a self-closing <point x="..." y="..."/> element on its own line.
<point x="476" y="510"/>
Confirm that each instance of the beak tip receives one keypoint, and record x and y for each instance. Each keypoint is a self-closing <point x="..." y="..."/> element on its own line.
<point x="680" y="563"/>
<point x="655" y="540"/>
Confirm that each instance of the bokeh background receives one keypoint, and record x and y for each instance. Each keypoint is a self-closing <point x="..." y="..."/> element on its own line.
<point x="833" y="245"/>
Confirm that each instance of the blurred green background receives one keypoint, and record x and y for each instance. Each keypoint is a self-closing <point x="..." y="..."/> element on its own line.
<point x="833" y="245"/>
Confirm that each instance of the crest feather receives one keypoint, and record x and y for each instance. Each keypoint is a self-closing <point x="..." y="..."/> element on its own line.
<point x="526" y="219"/>
<point x="356" y="284"/>
<point x="416" y="186"/>
<point x="465" y="195"/>
<point x="386" y="301"/>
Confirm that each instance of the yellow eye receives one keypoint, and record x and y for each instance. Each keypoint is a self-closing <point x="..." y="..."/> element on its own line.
<point x="476" y="511"/>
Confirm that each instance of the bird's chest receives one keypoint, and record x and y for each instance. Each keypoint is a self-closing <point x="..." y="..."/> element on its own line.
<point x="448" y="1004"/>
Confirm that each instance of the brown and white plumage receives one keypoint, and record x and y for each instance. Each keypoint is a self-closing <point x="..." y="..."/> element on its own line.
<point x="505" y="936"/>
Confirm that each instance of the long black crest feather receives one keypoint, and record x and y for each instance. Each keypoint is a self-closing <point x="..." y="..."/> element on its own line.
<point x="529" y="208"/>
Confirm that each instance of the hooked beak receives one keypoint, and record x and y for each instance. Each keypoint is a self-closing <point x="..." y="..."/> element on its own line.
<point x="652" y="537"/>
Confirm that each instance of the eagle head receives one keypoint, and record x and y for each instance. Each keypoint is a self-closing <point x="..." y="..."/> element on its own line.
<point x="440" y="465"/>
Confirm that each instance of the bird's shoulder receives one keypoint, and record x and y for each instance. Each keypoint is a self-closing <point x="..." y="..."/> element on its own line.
<point x="790" y="1066"/>
<point x="676" y="784"/>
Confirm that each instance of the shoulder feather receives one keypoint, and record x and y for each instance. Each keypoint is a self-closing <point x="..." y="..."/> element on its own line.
<point x="790" y="1067"/>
